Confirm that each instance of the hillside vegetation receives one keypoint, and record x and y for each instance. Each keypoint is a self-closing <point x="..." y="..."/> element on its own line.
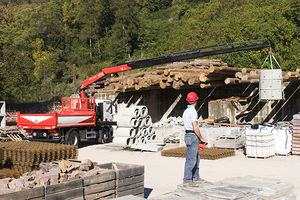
<point x="41" y="40"/>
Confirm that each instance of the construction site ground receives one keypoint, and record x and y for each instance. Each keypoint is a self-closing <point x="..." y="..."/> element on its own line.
<point x="163" y="174"/>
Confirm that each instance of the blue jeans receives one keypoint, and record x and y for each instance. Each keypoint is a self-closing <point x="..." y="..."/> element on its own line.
<point x="191" y="168"/>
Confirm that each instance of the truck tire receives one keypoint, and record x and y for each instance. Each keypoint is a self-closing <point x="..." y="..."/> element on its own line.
<point x="72" y="137"/>
<point x="105" y="135"/>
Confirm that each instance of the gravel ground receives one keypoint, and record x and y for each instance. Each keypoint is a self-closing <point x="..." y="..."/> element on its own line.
<point x="163" y="174"/>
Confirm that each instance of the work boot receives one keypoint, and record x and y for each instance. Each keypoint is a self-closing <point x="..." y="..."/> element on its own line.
<point x="190" y="184"/>
<point x="201" y="180"/>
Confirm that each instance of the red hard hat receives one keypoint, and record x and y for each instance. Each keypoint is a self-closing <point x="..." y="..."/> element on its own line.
<point x="192" y="96"/>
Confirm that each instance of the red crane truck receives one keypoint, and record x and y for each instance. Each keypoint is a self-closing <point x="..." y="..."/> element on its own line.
<point x="85" y="118"/>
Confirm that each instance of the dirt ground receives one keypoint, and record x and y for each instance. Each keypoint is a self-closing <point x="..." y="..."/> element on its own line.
<point x="163" y="174"/>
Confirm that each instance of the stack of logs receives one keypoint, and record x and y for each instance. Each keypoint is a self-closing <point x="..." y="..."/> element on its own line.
<point x="203" y="73"/>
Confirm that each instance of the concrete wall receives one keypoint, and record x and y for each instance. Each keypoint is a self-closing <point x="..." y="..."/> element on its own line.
<point x="160" y="102"/>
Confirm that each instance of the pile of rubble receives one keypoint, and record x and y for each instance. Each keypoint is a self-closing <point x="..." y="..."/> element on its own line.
<point x="170" y="121"/>
<point x="49" y="174"/>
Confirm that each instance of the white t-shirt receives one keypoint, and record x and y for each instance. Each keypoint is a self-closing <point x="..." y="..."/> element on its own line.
<point x="189" y="116"/>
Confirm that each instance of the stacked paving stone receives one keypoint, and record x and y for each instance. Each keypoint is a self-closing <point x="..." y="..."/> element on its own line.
<point x="24" y="156"/>
<point x="208" y="153"/>
<point x="296" y="135"/>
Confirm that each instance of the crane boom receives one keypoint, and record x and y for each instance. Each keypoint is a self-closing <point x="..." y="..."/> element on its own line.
<point x="174" y="57"/>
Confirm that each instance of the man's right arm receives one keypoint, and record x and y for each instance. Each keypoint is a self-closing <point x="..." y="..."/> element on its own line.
<point x="197" y="131"/>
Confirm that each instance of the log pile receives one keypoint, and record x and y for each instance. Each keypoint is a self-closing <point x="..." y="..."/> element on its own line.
<point x="203" y="73"/>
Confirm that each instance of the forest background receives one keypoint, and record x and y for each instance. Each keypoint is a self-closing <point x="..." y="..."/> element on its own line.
<point x="41" y="40"/>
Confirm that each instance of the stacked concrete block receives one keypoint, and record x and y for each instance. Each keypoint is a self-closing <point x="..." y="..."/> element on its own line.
<point x="296" y="135"/>
<point x="134" y="126"/>
<point x="260" y="142"/>
<point x="129" y="178"/>
<point x="24" y="156"/>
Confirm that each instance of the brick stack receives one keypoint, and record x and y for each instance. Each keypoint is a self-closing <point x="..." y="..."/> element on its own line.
<point x="24" y="156"/>
<point x="296" y="135"/>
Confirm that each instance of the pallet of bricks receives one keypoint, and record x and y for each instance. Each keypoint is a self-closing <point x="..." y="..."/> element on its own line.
<point x="71" y="179"/>
<point x="296" y="135"/>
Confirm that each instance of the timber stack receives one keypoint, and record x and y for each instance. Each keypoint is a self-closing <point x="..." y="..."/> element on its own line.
<point x="203" y="73"/>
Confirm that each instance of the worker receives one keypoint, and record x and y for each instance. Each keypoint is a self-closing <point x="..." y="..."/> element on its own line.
<point x="192" y="139"/>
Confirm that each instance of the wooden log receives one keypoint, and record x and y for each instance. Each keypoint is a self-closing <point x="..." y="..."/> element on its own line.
<point x="193" y="81"/>
<point x="212" y="84"/>
<point x="254" y="72"/>
<point x="186" y="76"/>
<point x="245" y="70"/>
<point x="192" y="70"/>
<point x="232" y="81"/>
<point x="293" y="73"/>
<point x="205" y="78"/>
<point x="224" y="69"/>
<point x="248" y="77"/>
<point x="163" y="84"/>
<point x="175" y="85"/>
<point x="238" y="74"/>
<point x="170" y="79"/>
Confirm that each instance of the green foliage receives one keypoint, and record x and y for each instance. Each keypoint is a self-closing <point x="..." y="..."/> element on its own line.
<point x="40" y="40"/>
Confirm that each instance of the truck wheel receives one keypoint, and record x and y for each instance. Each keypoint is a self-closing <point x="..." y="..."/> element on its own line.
<point x="72" y="137"/>
<point x="105" y="135"/>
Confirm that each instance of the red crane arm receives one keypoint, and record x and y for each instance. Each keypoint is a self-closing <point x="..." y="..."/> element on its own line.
<point x="105" y="71"/>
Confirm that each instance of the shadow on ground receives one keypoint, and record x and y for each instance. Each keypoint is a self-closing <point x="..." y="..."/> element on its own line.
<point x="147" y="192"/>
